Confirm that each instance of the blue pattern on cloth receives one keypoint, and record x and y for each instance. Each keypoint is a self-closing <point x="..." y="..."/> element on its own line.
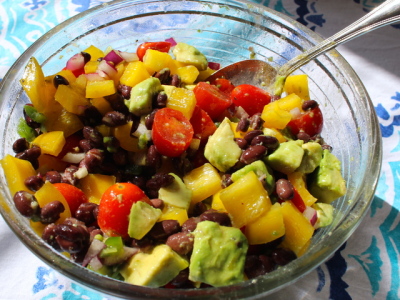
<point x="332" y="283"/>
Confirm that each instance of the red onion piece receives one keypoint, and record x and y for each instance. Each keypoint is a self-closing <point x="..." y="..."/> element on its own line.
<point x="214" y="65"/>
<point x="311" y="214"/>
<point x="171" y="41"/>
<point x="114" y="57"/>
<point x="94" y="249"/>
<point x="76" y="64"/>
<point x="107" y="68"/>
<point x="129" y="56"/>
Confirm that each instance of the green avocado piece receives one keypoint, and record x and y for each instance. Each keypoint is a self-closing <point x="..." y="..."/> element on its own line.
<point x="287" y="158"/>
<point x="154" y="269"/>
<point x="219" y="254"/>
<point x="142" y="218"/>
<point x="140" y="102"/>
<point x="326" y="182"/>
<point x="221" y="149"/>
<point x="312" y="157"/>
<point x="176" y="194"/>
<point x="324" y="214"/>
<point x="261" y="171"/>
<point x="168" y="89"/>
<point x="188" y="54"/>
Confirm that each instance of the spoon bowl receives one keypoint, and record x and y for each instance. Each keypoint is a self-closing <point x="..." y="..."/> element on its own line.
<point x="263" y="75"/>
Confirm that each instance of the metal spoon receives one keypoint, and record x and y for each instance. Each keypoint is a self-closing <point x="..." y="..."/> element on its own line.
<point x="261" y="74"/>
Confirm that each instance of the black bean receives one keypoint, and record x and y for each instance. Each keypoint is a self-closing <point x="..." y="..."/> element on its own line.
<point x="249" y="136"/>
<point x="144" y="243"/>
<point x="256" y="122"/>
<point x="149" y="120"/>
<point x="162" y="230"/>
<point x="26" y="204"/>
<point x="161" y="100"/>
<point x="303" y="136"/>
<point x="72" y="236"/>
<point x="199" y="208"/>
<point x="121" y="157"/>
<point x="85" y="213"/>
<point x="284" y="189"/>
<point x="85" y="145"/>
<point x="190" y="224"/>
<point x="29" y="154"/>
<point x="226" y="180"/>
<point x="93" y="159"/>
<point x="20" y="145"/>
<point x="164" y="76"/>
<point x="157" y="203"/>
<point x="49" y="236"/>
<point x="114" y="118"/>
<point x="257" y="265"/>
<point x="117" y="103"/>
<point x="93" y="135"/>
<point x="309" y="104"/>
<point x="182" y="280"/>
<point x="59" y="80"/>
<point x="124" y="90"/>
<point x="34" y="182"/>
<point x="92" y="116"/>
<point x="243" y="125"/>
<point x="68" y="175"/>
<point x="153" y="157"/>
<point x="175" y="80"/>
<point x="283" y="256"/>
<point x="86" y="56"/>
<point x="159" y="180"/>
<point x="268" y="263"/>
<point x="50" y="212"/>
<point x="111" y="143"/>
<point x="242" y="143"/>
<point x="253" y="153"/>
<point x="53" y="177"/>
<point x="181" y="242"/>
<point x="217" y="217"/>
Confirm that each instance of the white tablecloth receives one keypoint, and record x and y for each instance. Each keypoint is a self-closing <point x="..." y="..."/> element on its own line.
<point x="366" y="267"/>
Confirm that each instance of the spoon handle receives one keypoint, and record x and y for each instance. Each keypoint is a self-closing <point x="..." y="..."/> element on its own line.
<point x="386" y="13"/>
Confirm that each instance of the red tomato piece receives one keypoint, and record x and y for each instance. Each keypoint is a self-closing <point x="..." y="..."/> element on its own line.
<point x="211" y="99"/>
<point x="251" y="98"/>
<point x="202" y="124"/>
<point x="310" y="122"/>
<point x="159" y="46"/>
<point x="115" y="207"/>
<point x="171" y="132"/>
<point x="224" y="85"/>
<point x="298" y="201"/>
<point x="73" y="195"/>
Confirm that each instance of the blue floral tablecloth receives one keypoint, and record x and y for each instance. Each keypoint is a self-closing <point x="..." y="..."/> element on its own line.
<point x="365" y="267"/>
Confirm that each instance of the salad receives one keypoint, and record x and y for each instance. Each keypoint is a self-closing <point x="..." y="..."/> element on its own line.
<point x="135" y="166"/>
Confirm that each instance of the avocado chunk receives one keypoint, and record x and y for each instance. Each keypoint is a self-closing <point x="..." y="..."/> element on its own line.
<point x="324" y="214"/>
<point x="262" y="172"/>
<point x="221" y="149"/>
<point x="142" y="218"/>
<point x="287" y="158"/>
<point x="140" y="102"/>
<point x="219" y="254"/>
<point x="326" y="182"/>
<point x="176" y="194"/>
<point x="190" y="55"/>
<point x="311" y="158"/>
<point x="154" y="269"/>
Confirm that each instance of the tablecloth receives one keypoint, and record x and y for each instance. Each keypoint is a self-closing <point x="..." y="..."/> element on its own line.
<point x="365" y="267"/>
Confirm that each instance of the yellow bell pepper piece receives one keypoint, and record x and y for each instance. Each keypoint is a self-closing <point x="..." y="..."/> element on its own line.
<point x="16" y="171"/>
<point x="217" y="203"/>
<point x="183" y="100"/>
<point x="188" y="74"/>
<point x="171" y="212"/>
<point x="298" y="181"/>
<point x="203" y="181"/>
<point x="266" y="228"/>
<point x="94" y="186"/>
<point x="95" y="53"/>
<point x="91" y="66"/>
<point x="123" y="135"/>
<point x="101" y="88"/>
<point x="298" y="228"/>
<point x="297" y="84"/>
<point x="50" y="142"/>
<point x="245" y="199"/>
<point x="50" y="163"/>
<point x="63" y="120"/>
<point x="71" y="99"/>
<point x="134" y="73"/>
<point x="155" y="61"/>
<point x="205" y="74"/>
<point x="102" y="105"/>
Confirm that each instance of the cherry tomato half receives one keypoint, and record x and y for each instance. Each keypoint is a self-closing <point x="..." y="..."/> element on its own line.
<point x="202" y="124"/>
<point x="211" y="99"/>
<point x="159" y="46"/>
<point x="310" y="122"/>
<point x="171" y="132"/>
<point x="115" y="207"/>
<point x="73" y="195"/>
<point x="251" y="98"/>
<point x="224" y="85"/>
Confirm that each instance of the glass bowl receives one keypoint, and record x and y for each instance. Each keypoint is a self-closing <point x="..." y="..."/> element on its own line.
<point x="226" y="32"/>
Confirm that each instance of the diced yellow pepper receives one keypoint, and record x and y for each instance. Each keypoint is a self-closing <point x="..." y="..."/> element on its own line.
<point x="95" y="53"/>
<point x="297" y="84"/>
<point x="171" y="212"/>
<point x="120" y="70"/>
<point x="266" y="228"/>
<point x="245" y="199"/>
<point x="104" y="130"/>
<point x="174" y="65"/>
<point x="64" y="121"/>
<point x="50" y="142"/>
<point x="134" y="73"/>
<point x="204" y="182"/>
<point x="155" y="60"/>
<point x="102" y="105"/>
<point x="91" y="66"/>
<point x="205" y="74"/>
<point x="275" y="133"/>
<point x="101" y="88"/>
<point x="67" y="74"/>
<point x="188" y="74"/>
<point x="183" y="100"/>
<point x="217" y="203"/>
<point x="80" y="84"/>
<point x="298" y="181"/>
<point x="123" y="135"/>
<point x="238" y="134"/>
<point x="298" y="228"/>
<point x="71" y="100"/>
<point x="50" y="163"/>
<point x="94" y="185"/>
<point x="16" y="171"/>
